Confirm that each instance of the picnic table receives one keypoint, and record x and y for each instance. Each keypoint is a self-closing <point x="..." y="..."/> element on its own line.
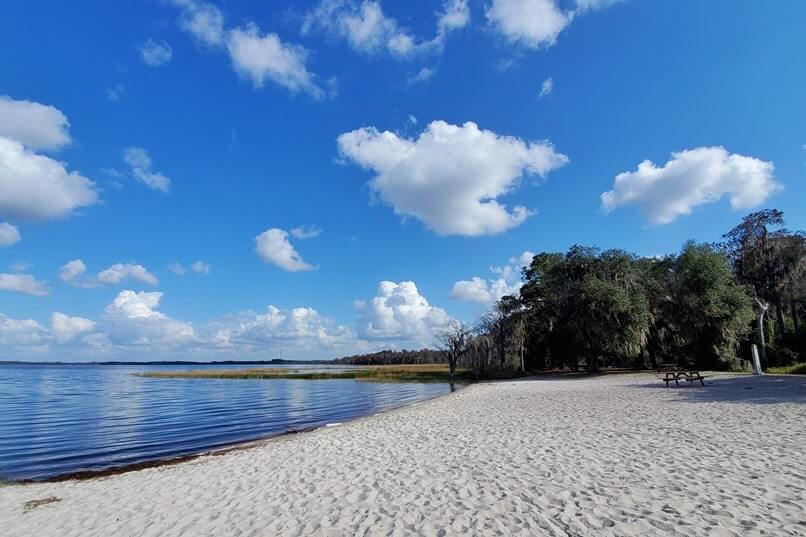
<point x="675" y="373"/>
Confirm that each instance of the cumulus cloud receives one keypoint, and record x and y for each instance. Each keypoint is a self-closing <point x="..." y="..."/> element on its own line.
<point x="125" y="271"/>
<point x="36" y="187"/>
<point x="23" y="283"/>
<point x="255" y="55"/>
<point x="9" y="234"/>
<point x="201" y="267"/>
<point x="294" y="328"/>
<point x="488" y="291"/>
<point x="73" y="273"/>
<point x="21" y="333"/>
<point x="262" y="57"/>
<point x="400" y="313"/>
<point x="35" y="125"/>
<point x="450" y="176"/>
<point x="65" y="329"/>
<point x="131" y="323"/>
<point x="455" y="15"/>
<point x="274" y="247"/>
<point x="546" y="87"/>
<point x="305" y="232"/>
<point x="202" y="20"/>
<point x="368" y="30"/>
<point x="72" y="270"/>
<point x="140" y="163"/>
<point x="537" y="23"/>
<point x="691" y="178"/>
<point x="133" y="319"/>
<point x="156" y="53"/>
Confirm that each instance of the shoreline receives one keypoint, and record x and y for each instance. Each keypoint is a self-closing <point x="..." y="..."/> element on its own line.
<point x="605" y="456"/>
<point x="87" y="475"/>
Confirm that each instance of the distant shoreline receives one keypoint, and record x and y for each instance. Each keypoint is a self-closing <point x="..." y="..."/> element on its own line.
<point x="276" y="361"/>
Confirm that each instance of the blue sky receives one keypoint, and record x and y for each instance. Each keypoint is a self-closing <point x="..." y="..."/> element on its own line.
<point x="405" y="134"/>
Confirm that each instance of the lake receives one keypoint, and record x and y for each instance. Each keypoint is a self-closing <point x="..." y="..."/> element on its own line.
<point x="62" y="419"/>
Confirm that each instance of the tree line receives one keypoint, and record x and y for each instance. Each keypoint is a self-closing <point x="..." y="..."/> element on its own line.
<point x="588" y="308"/>
<point x="702" y="308"/>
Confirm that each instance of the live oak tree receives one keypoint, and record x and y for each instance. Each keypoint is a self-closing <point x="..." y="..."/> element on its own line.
<point x="764" y="258"/>
<point x="454" y="341"/>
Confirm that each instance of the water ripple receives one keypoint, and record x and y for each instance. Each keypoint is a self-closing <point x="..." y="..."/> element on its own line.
<point x="57" y="420"/>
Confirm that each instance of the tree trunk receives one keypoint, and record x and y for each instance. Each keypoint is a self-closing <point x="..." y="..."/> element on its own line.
<point x="779" y="314"/>
<point x="795" y="320"/>
<point x="523" y="365"/>
<point x="762" y="311"/>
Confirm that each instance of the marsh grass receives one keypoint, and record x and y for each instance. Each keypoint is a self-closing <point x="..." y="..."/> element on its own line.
<point x="794" y="369"/>
<point x="380" y="373"/>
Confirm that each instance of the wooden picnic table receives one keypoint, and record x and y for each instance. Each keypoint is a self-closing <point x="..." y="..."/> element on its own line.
<point x="676" y="374"/>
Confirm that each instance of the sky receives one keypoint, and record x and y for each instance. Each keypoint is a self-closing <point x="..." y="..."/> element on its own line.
<point x="184" y="179"/>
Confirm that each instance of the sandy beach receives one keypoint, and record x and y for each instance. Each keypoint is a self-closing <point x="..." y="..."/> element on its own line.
<point x="607" y="456"/>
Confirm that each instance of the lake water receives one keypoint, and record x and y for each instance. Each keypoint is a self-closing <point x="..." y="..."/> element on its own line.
<point x="62" y="419"/>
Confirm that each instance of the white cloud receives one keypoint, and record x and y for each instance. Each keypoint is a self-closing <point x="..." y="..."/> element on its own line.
<point x="254" y="55"/>
<point x="295" y="328"/>
<point x="202" y="20"/>
<point x="260" y="57"/>
<point x="72" y="272"/>
<point x="125" y="271"/>
<point x="23" y="283"/>
<point x="65" y="328"/>
<point x="363" y="25"/>
<point x="424" y="74"/>
<point x="691" y="178"/>
<point x="400" y="313"/>
<point x="140" y="163"/>
<point x="156" y="53"/>
<point x="36" y="187"/>
<point x="455" y="15"/>
<point x="132" y="319"/>
<point x="177" y="269"/>
<point x="536" y="23"/>
<point x="23" y="333"/>
<point x="9" y="234"/>
<point x="368" y="30"/>
<point x="546" y="87"/>
<point x="273" y="247"/>
<point x="201" y="267"/>
<point x="37" y="126"/>
<point x="305" y="232"/>
<point x="507" y="282"/>
<point x="450" y="176"/>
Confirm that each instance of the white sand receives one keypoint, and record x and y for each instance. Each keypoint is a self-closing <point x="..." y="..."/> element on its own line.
<point x="615" y="456"/>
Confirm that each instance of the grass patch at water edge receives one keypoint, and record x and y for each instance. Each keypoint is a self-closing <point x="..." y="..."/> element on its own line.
<point x="381" y="373"/>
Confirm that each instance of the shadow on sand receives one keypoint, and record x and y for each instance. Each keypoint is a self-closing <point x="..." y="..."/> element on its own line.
<point x="769" y="389"/>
